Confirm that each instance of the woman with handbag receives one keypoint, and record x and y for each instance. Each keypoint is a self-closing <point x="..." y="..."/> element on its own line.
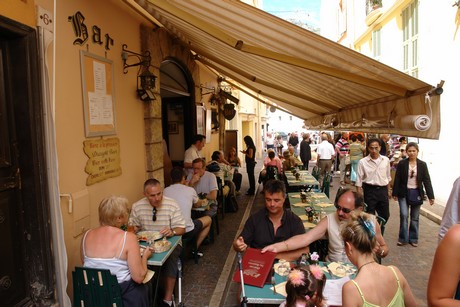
<point x="411" y="179"/>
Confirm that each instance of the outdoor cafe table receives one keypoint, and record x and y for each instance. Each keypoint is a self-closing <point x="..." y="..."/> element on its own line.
<point x="266" y="295"/>
<point x="306" y="180"/>
<point x="317" y="200"/>
<point x="158" y="259"/>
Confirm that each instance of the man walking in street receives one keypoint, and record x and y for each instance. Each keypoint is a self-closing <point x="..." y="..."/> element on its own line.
<point x="374" y="180"/>
<point x="305" y="150"/>
<point x="342" y="150"/>
<point x="326" y="154"/>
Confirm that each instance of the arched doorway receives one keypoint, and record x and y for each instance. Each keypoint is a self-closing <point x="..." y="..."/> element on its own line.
<point x="177" y="110"/>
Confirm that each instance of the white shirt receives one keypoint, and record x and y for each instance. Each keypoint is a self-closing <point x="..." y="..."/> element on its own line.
<point x="191" y="154"/>
<point x="325" y="150"/>
<point x="373" y="172"/>
<point x="185" y="197"/>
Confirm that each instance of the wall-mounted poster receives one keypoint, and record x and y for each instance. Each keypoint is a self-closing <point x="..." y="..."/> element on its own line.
<point x="98" y="94"/>
<point x="200" y="120"/>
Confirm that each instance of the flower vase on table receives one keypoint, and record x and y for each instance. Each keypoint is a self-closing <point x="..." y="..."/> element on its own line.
<point x="310" y="212"/>
<point x="314" y="258"/>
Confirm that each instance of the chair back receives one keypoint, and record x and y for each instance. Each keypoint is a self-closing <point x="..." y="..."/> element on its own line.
<point x="315" y="172"/>
<point x="326" y="184"/>
<point x="95" y="288"/>
<point x="382" y="222"/>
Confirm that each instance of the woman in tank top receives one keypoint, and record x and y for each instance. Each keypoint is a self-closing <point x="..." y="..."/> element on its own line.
<point x="374" y="284"/>
<point x="109" y="247"/>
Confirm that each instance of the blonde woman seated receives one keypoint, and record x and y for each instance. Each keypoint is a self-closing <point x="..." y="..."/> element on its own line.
<point x="374" y="284"/>
<point x="109" y="247"/>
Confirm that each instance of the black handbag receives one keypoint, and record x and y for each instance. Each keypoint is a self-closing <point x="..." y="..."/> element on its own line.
<point x="413" y="197"/>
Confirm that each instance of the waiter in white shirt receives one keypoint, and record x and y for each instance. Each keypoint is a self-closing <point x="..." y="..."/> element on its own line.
<point x="194" y="152"/>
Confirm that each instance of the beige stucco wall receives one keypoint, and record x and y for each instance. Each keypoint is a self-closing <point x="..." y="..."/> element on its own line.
<point x="70" y="132"/>
<point x="18" y="10"/>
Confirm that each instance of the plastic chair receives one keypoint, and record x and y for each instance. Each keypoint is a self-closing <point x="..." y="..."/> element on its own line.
<point x="96" y="288"/>
<point x="315" y="172"/>
<point x="326" y="184"/>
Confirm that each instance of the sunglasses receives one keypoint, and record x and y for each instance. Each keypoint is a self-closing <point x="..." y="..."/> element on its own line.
<point x="154" y="217"/>
<point x="344" y="210"/>
<point x="412" y="172"/>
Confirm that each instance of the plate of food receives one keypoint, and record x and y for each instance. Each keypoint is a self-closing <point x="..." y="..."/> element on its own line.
<point x="161" y="246"/>
<point x="148" y="235"/>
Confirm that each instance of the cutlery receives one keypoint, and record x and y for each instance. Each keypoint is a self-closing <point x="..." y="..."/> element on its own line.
<point x="274" y="284"/>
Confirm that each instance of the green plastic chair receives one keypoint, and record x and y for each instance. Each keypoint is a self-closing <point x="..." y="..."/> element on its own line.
<point x="95" y="288"/>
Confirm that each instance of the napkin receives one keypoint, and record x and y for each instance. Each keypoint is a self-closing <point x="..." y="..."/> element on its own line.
<point x="148" y="276"/>
<point x="280" y="288"/>
<point x="323" y="205"/>
<point x="303" y="217"/>
<point x="309" y="225"/>
<point x="317" y="195"/>
<point x="295" y="196"/>
<point x="333" y="266"/>
<point x="301" y="205"/>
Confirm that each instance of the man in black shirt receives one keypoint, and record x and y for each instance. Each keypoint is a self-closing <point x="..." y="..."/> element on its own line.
<point x="272" y="224"/>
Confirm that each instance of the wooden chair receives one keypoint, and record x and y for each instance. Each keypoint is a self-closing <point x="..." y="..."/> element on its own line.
<point x="95" y="288"/>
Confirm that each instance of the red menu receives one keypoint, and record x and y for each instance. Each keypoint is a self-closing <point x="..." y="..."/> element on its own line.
<point x="256" y="267"/>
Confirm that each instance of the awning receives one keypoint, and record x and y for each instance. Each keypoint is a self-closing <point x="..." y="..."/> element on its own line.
<point x="330" y="86"/>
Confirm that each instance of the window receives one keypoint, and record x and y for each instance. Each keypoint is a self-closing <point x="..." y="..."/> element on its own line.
<point x="410" y="39"/>
<point x="376" y="43"/>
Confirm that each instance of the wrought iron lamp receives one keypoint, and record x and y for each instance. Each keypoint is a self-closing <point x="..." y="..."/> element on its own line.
<point x="145" y="78"/>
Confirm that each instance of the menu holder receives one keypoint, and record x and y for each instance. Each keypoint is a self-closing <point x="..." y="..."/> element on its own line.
<point x="256" y="267"/>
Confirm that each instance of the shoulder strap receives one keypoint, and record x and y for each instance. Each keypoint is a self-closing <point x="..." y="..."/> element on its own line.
<point x="396" y="275"/>
<point x="123" y="246"/>
<point x="83" y="243"/>
<point x="359" y="290"/>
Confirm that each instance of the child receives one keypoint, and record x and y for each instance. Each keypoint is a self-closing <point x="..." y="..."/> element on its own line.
<point x="304" y="287"/>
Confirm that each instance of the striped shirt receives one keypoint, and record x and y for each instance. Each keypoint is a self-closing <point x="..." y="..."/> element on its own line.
<point x="168" y="215"/>
<point x="343" y="146"/>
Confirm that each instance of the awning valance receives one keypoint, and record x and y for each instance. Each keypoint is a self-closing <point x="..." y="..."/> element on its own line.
<point x="330" y="86"/>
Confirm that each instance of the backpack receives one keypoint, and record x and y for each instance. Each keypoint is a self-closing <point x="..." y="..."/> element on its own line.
<point x="231" y="204"/>
<point x="213" y="167"/>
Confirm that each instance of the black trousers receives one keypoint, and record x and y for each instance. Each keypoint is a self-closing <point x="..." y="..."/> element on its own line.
<point x="376" y="199"/>
<point x="252" y="179"/>
<point x="237" y="178"/>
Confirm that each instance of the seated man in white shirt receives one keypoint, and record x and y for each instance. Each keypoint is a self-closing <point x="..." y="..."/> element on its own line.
<point x="187" y="198"/>
<point x="204" y="183"/>
<point x="330" y="227"/>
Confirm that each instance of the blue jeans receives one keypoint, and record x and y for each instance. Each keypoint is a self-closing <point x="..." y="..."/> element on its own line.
<point x="354" y="170"/>
<point x="406" y="236"/>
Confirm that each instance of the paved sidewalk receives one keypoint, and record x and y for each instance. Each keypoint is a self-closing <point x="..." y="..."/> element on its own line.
<point x="208" y="283"/>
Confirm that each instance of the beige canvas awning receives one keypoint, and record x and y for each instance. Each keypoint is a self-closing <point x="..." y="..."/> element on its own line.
<point x="330" y="86"/>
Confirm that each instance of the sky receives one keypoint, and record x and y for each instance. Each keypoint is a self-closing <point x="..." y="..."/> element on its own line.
<point x="304" y="10"/>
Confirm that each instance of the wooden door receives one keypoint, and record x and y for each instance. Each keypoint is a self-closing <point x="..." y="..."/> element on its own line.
<point x="26" y="260"/>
